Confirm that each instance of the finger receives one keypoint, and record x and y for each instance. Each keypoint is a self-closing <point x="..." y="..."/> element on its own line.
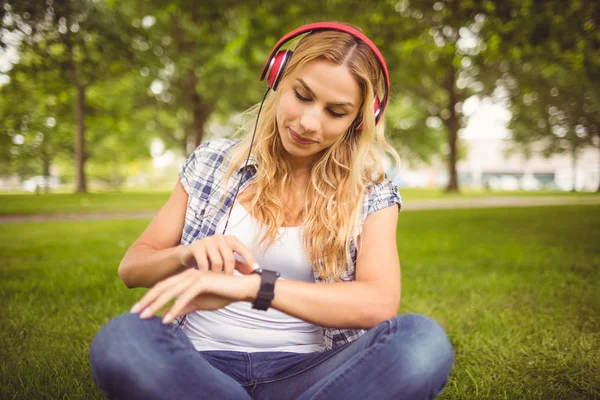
<point x="182" y="304"/>
<point x="166" y="296"/>
<point x="243" y="251"/>
<point x="201" y="302"/>
<point x="156" y="291"/>
<point x="199" y="254"/>
<point x="214" y="256"/>
<point x="227" y="256"/>
<point x="243" y="267"/>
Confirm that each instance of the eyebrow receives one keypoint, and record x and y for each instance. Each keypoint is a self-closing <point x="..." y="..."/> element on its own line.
<point x="309" y="90"/>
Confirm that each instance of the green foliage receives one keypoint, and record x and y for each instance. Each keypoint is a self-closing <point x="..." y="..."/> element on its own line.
<point x="549" y="56"/>
<point x="36" y="123"/>
<point x="554" y="109"/>
<point x="174" y="69"/>
<point x="432" y="50"/>
<point x="64" y="50"/>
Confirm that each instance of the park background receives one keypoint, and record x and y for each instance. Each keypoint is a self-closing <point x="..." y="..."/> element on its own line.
<point x="495" y="110"/>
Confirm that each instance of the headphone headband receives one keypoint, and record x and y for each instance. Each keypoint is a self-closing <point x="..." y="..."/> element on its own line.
<point x="335" y="26"/>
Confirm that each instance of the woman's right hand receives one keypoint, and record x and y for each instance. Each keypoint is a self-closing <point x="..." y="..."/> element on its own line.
<point x="216" y="253"/>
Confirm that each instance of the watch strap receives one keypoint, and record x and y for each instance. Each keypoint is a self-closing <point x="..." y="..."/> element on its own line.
<point x="266" y="293"/>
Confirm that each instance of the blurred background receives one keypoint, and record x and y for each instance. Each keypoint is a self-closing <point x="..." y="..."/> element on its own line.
<point x="113" y="95"/>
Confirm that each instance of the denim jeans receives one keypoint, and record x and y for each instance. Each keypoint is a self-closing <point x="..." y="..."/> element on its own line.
<point x="406" y="357"/>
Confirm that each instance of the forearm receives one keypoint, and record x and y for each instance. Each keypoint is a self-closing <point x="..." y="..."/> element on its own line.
<point x="335" y="305"/>
<point x="144" y="266"/>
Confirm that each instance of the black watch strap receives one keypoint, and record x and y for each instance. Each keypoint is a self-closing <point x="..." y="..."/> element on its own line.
<point x="266" y="292"/>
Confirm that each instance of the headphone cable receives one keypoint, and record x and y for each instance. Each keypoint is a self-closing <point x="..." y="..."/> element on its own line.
<point x="247" y="160"/>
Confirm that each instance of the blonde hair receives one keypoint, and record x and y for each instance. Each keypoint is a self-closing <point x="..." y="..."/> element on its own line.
<point x="339" y="177"/>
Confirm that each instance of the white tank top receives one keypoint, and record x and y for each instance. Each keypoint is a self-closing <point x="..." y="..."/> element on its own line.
<point x="239" y="327"/>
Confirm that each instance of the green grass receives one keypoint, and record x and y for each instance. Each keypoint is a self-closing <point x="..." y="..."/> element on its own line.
<point x="57" y="203"/>
<point x="419" y="193"/>
<point x="516" y="290"/>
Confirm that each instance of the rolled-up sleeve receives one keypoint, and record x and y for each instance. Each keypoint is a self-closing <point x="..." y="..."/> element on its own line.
<point x="383" y="195"/>
<point x="189" y="170"/>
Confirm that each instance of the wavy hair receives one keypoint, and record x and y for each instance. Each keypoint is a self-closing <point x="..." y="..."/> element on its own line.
<point x="339" y="177"/>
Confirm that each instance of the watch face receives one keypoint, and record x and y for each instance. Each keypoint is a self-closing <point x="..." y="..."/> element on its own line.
<point x="260" y="271"/>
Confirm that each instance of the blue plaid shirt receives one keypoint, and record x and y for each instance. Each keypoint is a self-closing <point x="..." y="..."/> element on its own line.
<point x="203" y="177"/>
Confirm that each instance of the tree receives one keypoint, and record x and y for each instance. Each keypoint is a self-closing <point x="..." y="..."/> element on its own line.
<point x="431" y="48"/>
<point x="80" y="42"/>
<point x="200" y="60"/>
<point x="34" y="127"/>
<point x="555" y="108"/>
<point x="549" y="56"/>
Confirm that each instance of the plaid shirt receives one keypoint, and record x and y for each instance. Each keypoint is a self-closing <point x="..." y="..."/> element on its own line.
<point x="203" y="177"/>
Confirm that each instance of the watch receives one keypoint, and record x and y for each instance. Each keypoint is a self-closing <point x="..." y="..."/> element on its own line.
<point x="266" y="292"/>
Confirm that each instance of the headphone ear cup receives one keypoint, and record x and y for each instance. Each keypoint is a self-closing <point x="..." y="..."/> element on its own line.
<point x="277" y="68"/>
<point x="376" y="111"/>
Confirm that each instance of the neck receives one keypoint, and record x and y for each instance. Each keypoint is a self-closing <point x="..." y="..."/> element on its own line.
<point x="301" y="176"/>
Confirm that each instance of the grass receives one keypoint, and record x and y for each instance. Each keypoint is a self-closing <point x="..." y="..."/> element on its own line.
<point x="95" y="202"/>
<point x="421" y="193"/>
<point x="56" y="203"/>
<point x="516" y="290"/>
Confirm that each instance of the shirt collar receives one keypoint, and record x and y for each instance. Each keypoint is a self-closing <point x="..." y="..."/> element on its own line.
<point x="251" y="163"/>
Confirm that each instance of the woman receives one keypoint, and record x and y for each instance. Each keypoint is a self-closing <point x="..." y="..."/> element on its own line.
<point x="284" y="267"/>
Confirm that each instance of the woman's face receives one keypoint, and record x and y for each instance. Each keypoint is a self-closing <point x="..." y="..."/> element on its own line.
<point x="315" y="109"/>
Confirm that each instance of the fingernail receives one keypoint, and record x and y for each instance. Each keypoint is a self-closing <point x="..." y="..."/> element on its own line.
<point x="167" y="318"/>
<point x="136" y="308"/>
<point x="147" y="313"/>
<point x="255" y="266"/>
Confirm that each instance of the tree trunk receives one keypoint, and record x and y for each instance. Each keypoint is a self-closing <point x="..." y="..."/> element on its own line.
<point x="116" y="177"/>
<point x="201" y="114"/>
<point x="574" y="167"/>
<point x="598" y="189"/>
<point x="184" y="145"/>
<point x="46" y="171"/>
<point x="452" y="126"/>
<point x="200" y="110"/>
<point x="81" y="184"/>
<point x="80" y="181"/>
<point x="45" y="165"/>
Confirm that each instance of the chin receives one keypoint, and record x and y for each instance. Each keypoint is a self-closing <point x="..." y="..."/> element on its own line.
<point x="291" y="149"/>
<point x="289" y="145"/>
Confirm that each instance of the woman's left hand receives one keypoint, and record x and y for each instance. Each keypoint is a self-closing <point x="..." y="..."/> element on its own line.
<point x="196" y="290"/>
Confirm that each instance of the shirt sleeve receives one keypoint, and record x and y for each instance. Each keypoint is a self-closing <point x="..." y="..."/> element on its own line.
<point x="383" y="195"/>
<point x="377" y="197"/>
<point x="189" y="170"/>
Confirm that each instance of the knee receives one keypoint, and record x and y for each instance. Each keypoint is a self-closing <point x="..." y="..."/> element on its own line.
<point x="423" y="346"/>
<point x="118" y="343"/>
<point x="117" y="334"/>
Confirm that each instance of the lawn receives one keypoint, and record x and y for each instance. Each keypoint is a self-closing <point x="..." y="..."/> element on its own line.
<point x="102" y="202"/>
<point x="516" y="290"/>
<point x="55" y="203"/>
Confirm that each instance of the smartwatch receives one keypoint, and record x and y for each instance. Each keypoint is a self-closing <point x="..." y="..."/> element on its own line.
<point x="266" y="292"/>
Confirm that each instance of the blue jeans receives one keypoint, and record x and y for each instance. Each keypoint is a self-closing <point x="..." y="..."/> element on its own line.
<point x="406" y="357"/>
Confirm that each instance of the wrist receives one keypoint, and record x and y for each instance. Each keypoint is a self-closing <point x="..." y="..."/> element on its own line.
<point x="253" y="287"/>
<point x="183" y="253"/>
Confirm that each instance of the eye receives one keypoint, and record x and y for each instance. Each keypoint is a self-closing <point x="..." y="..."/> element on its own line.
<point x="302" y="99"/>
<point x="335" y="115"/>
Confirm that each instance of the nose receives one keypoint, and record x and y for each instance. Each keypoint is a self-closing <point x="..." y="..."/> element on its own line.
<point x="311" y="119"/>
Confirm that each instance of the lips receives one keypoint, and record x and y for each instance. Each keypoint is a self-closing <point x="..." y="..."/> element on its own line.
<point x="299" y="138"/>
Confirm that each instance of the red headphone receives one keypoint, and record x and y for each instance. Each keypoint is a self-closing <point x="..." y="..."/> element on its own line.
<point x="277" y="61"/>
